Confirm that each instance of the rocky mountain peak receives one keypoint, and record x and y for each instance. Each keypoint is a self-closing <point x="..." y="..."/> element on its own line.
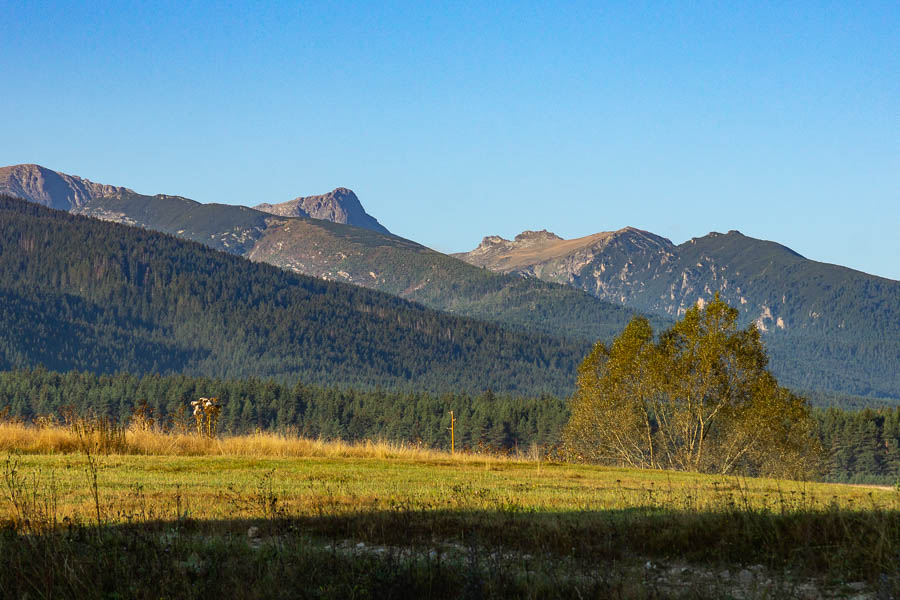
<point x="492" y="240"/>
<point x="52" y="188"/>
<point x="341" y="205"/>
<point x="537" y="236"/>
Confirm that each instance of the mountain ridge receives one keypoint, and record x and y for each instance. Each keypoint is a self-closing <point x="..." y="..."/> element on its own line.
<point x="55" y="189"/>
<point x="52" y="189"/>
<point x="385" y="262"/>
<point x="808" y="311"/>
<point x="828" y="328"/>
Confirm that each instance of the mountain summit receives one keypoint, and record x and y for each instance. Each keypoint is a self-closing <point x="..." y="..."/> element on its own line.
<point x="76" y="194"/>
<point x="338" y="206"/>
<point x="547" y="256"/>
<point x="51" y="188"/>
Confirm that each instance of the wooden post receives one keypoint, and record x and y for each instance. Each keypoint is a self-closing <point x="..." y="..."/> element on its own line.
<point x="452" y="438"/>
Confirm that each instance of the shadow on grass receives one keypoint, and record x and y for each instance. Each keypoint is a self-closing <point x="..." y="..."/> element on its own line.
<point x="499" y="552"/>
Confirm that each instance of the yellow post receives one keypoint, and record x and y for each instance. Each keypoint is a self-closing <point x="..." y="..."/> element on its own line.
<point x="452" y="439"/>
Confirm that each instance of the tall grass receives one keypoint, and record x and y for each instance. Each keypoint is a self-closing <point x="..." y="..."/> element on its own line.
<point x="110" y="439"/>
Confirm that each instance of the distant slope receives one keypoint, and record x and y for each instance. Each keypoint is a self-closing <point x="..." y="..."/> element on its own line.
<point x="338" y="206"/>
<point x="601" y="264"/>
<point x="828" y="327"/>
<point x="77" y="293"/>
<point x="409" y="270"/>
<point x="360" y="256"/>
<point x="233" y="229"/>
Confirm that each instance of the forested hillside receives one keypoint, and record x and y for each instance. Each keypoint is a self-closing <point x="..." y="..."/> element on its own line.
<point x="827" y="327"/>
<point x="78" y="293"/>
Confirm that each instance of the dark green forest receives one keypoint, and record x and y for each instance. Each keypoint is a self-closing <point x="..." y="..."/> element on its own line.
<point x="861" y="446"/>
<point x="77" y="293"/>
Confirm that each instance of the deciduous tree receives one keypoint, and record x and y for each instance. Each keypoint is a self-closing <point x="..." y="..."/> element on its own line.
<point x="698" y="398"/>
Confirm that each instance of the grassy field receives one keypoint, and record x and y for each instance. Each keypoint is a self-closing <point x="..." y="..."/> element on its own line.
<point x="145" y="514"/>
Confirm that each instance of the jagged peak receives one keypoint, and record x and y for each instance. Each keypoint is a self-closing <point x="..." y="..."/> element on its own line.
<point x="542" y="235"/>
<point x="493" y="240"/>
<point x="341" y="191"/>
<point x="715" y="234"/>
<point x="340" y="205"/>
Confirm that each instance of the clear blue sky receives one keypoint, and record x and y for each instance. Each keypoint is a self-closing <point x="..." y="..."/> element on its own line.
<point x="457" y="120"/>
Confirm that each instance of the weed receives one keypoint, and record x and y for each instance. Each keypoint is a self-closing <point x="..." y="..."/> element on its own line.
<point x="33" y="499"/>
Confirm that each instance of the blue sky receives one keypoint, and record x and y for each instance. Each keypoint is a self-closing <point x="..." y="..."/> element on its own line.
<point x="457" y="120"/>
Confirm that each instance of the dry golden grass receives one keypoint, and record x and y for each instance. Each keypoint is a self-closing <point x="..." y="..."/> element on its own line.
<point x="28" y="439"/>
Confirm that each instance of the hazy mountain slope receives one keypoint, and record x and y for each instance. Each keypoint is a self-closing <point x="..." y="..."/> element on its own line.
<point x="79" y="293"/>
<point x="338" y="206"/>
<point x="828" y="327"/>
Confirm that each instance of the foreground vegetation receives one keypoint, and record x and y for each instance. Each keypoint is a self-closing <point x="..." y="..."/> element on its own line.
<point x="104" y="513"/>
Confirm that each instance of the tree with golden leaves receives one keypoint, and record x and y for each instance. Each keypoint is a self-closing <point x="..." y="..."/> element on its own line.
<point x="698" y="398"/>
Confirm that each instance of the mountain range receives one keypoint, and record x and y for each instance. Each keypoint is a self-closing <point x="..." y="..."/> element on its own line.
<point x="80" y="294"/>
<point x="333" y="251"/>
<point x="828" y="328"/>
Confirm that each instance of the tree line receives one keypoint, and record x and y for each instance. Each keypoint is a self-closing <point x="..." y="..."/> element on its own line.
<point x="488" y="421"/>
<point x="859" y="446"/>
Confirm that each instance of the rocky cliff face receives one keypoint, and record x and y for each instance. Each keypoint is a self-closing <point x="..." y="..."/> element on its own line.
<point x="649" y="273"/>
<point x="602" y="264"/>
<point x="50" y="188"/>
<point x="338" y="206"/>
